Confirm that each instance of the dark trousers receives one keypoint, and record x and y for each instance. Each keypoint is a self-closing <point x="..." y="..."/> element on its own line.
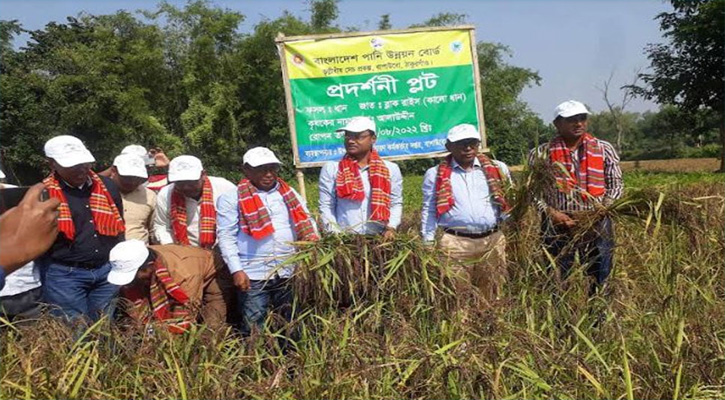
<point x="595" y="249"/>
<point x="25" y="305"/>
<point x="262" y="296"/>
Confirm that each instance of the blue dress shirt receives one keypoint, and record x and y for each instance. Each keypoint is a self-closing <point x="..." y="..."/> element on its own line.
<point x="352" y="216"/>
<point x="473" y="211"/>
<point x="258" y="258"/>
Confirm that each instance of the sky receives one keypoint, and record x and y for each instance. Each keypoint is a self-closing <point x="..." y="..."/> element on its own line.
<point x="575" y="46"/>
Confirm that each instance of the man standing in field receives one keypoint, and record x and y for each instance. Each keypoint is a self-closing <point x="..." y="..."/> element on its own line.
<point x="257" y="224"/>
<point x="361" y="193"/>
<point x="585" y="178"/>
<point x="129" y="173"/>
<point x="168" y="283"/>
<point x="186" y="208"/>
<point x="464" y="195"/>
<point x="90" y="223"/>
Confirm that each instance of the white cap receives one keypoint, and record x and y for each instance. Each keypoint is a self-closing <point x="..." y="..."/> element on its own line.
<point x="68" y="151"/>
<point x="135" y="149"/>
<point x="185" y="168"/>
<point x="260" y="156"/>
<point x="359" y="124"/>
<point x="462" y="132"/>
<point x="126" y="258"/>
<point x="130" y="165"/>
<point x="570" y="108"/>
<point x="2" y="174"/>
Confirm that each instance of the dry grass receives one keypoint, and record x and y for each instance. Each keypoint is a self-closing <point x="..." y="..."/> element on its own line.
<point x="383" y="320"/>
<point x="674" y="165"/>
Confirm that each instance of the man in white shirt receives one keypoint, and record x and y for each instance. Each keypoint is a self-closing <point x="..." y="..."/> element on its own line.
<point x="186" y="208"/>
<point x="257" y="224"/>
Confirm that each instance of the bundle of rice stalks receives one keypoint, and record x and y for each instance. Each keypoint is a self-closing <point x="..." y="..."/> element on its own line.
<point x="347" y="270"/>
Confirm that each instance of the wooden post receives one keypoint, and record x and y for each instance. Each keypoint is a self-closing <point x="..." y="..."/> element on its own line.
<point x="301" y="183"/>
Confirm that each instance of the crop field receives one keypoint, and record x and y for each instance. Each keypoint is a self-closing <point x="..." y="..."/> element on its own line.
<point x="385" y="320"/>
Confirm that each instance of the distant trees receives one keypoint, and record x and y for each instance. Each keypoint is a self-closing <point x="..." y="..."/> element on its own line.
<point x="185" y="79"/>
<point x="689" y="70"/>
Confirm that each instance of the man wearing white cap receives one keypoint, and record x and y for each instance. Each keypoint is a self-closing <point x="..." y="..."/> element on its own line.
<point x="464" y="195"/>
<point x="167" y="283"/>
<point x="257" y="225"/>
<point x="361" y="193"/>
<point x="154" y="160"/>
<point x="186" y="208"/>
<point x="129" y="173"/>
<point x="90" y="223"/>
<point x="586" y="177"/>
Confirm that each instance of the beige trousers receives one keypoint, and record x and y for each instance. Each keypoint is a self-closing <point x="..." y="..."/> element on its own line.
<point x="479" y="261"/>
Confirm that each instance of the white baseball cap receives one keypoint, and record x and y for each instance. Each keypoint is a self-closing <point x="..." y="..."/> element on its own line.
<point x="359" y="124"/>
<point x="462" y="132"/>
<point x="2" y="174"/>
<point x="68" y="151"/>
<point x="130" y="165"/>
<point x="185" y="168"/>
<point x="570" y="108"/>
<point x="260" y="156"/>
<point x="135" y="149"/>
<point x="126" y="258"/>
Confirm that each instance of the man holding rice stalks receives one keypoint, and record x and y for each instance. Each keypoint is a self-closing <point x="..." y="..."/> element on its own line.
<point x="581" y="178"/>
<point x="464" y="195"/>
<point x="361" y="193"/>
<point x="168" y="283"/>
<point x="257" y="224"/>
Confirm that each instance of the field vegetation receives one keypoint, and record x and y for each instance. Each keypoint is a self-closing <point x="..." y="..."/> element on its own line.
<point x="387" y="320"/>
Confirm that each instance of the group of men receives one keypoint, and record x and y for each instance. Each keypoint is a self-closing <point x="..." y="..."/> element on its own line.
<point x="184" y="254"/>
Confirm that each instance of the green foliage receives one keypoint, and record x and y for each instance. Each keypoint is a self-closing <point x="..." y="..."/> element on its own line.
<point x="185" y="79"/>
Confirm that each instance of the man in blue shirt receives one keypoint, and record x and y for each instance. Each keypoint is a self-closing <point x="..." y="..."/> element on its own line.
<point x="464" y="195"/>
<point x="361" y="193"/>
<point x="256" y="225"/>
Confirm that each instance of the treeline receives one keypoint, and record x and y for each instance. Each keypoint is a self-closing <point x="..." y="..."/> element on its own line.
<point x="667" y="133"/>
<point x="186" y="79"/>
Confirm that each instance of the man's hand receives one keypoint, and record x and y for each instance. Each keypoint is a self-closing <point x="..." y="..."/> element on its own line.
<point x="28" y="230"/>
<point x="388" y="233"/>
<point x="160" y="159"/>
<point x="241" y="281"/>
<point x="561" y="220"/>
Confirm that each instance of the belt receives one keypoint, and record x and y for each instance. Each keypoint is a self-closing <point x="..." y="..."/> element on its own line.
<point x="470" y="235"/>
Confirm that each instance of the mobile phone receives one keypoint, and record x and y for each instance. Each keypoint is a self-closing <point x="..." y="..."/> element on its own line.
<point x="12" y="196"/>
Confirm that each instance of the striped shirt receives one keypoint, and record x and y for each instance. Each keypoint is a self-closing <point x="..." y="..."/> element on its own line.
<point x="572" y="201"/>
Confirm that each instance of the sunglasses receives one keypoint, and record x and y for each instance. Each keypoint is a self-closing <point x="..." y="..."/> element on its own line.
<point x="576" y="118"/>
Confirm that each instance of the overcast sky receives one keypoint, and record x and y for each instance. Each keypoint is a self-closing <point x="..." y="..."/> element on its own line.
<point x="574" y="45"/>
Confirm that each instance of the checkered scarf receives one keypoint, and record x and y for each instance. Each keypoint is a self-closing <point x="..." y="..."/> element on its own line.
<point x="167" y="301"/>
<point x="349" y="185"/>
<point x="254" y="219"/>
<point x="590" y="177"/>
<point x="106" y="218"/>
<point x="444" y="191"/>
<point x="207" y="217"/>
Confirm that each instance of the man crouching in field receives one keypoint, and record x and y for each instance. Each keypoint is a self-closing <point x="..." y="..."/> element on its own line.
<point x="585" y="179"/>
<point x="167" y="283"/>
<point x="257" y="224"/>
<point x="464" y="195"/>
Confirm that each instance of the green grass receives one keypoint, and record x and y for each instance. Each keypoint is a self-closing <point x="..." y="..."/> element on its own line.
<point x="383" y="320"/>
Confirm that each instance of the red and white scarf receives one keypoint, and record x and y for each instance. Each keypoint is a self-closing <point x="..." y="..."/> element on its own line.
<point x="106" y="218"/>
<point x="167" y="301"/>
<point x="254" y="219"/>
<point x="349" y="185"/>
<point x="207" y="217"/>
<point x="590" y="177"/>
<point x="444" y="190"/>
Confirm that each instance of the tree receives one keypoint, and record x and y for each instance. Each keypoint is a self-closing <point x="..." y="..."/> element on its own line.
<point x="617" y="110"/>
<point x="689" y="71"/>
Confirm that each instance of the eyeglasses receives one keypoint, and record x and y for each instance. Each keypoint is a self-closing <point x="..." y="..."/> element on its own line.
<point x="357" y="136"/>
<point x="576" y="118"/>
